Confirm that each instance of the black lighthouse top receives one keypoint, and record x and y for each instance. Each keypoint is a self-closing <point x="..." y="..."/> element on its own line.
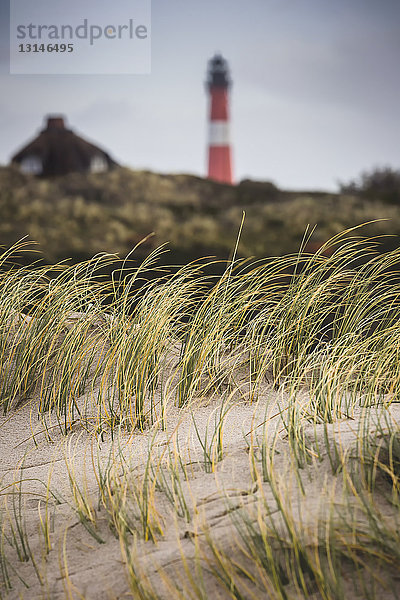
<point x="218" y="72"/>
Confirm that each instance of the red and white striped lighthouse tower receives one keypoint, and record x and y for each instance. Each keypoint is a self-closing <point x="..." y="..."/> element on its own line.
<point x="219" y="145"/>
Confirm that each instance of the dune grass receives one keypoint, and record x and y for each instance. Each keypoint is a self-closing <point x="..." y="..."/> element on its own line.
<point x="326" y="323"/>
<point x="111" y="356"/>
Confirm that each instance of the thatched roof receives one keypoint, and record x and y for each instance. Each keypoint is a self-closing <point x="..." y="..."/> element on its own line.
<point x="58" y="151"/>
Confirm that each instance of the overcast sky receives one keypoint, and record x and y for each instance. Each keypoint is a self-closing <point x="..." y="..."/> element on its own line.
<point x="315" y="96"/>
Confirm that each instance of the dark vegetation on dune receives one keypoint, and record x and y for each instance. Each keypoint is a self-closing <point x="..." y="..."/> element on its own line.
<point x="77" y="216"/>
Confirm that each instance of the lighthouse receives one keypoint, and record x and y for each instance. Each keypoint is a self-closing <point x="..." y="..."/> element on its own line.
<point x="219" y="145"/>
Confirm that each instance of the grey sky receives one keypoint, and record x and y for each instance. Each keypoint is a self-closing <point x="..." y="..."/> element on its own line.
<point x="315" y="99"/>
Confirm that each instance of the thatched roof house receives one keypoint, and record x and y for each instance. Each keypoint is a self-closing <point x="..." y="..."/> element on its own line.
<point x="58" y="151"/>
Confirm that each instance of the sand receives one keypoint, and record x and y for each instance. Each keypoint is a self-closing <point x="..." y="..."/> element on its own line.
<point x="82" y="565"/>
